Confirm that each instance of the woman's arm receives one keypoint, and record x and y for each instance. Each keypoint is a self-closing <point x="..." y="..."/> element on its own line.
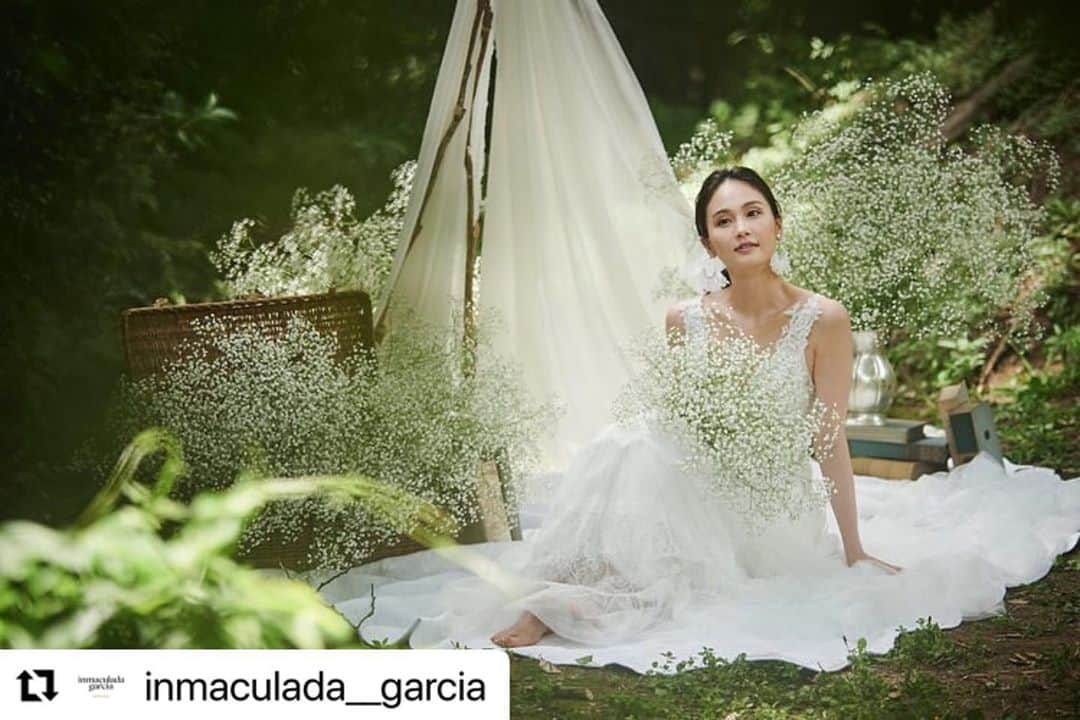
<point x="833" y="359"/>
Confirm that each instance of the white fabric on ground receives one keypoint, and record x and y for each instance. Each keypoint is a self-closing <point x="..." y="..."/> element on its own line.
<point x="633" y="557"/>
<point x="962" y="538"/>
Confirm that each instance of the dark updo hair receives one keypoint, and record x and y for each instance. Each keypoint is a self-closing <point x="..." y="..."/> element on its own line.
<point x="715" y="180"/>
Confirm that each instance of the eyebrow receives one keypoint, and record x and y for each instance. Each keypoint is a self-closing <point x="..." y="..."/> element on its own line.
<point x="749" y="202"/>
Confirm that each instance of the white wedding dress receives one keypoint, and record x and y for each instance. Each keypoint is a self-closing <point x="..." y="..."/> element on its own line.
<point x="634" y="557"/>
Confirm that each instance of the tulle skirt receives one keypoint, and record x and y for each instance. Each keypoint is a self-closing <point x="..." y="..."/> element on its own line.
<point x="630" y="557"/>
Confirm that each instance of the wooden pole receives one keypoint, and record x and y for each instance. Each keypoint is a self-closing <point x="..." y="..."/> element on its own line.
<point x="483" y="8"/>
<point x="474" y="220"/>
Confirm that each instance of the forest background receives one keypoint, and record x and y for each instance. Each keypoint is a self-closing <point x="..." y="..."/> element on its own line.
<point x="134" y="134"/>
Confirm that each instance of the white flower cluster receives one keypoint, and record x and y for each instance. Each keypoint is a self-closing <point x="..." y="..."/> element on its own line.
<point x="701" y="153"/>
<point x="407" y="415"/>
<point x="909" y="232"/>
<point x="327" y="247"/>
<point x="748" y="428"/>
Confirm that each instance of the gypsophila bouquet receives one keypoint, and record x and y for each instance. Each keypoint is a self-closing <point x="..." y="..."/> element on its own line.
<point x="746" y="425"/>
<point x="406" y="415"/>
<point x="327" y="248"/>
<point x="907" y="231"/>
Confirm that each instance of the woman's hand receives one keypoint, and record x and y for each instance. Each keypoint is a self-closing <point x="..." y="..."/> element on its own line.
<point x="863" y="555"/>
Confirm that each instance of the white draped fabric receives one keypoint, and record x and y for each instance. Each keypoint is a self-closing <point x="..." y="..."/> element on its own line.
<point x="582" y="210"/>
<point x="961" y="537"/>
<point x="432" y="273"/>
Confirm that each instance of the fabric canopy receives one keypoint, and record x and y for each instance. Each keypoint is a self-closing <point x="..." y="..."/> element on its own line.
<point x="582" y="211"/>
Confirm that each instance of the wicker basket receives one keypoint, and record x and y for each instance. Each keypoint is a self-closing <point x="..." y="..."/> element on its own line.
<point x="154" y="337"/>
<point x="157" y="336"/>
<point x="293" y="555"/>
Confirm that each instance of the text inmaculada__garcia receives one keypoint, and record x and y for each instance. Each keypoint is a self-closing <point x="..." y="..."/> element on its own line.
<point x="393" y="691"/>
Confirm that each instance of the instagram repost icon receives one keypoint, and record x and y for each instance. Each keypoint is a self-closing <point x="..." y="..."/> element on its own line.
<point x="31" y="682"/>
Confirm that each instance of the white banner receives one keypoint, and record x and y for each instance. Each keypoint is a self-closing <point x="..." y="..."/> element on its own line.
<point x="210" y="684"/>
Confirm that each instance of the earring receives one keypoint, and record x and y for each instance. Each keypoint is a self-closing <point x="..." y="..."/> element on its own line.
<point x="712" y="274"/>
<point x="779" y="261"/>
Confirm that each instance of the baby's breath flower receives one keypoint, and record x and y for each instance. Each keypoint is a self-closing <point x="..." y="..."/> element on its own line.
<point x="700" y="154"/>
<point x="327" y="247"/>
<point x="907" y="231"/>
<point x="745" y="426"/>
<point x="282" y="406"/>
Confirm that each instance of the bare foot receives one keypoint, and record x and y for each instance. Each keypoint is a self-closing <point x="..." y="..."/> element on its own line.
<point x="526" y="631"/>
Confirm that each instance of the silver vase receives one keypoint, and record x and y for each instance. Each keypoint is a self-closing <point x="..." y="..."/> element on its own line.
<point x="873" y="382"/>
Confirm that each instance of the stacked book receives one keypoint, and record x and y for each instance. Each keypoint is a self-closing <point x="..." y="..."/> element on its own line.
<point x="897" y="450"/>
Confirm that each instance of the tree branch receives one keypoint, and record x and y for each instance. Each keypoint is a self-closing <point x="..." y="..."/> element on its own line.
<point x="965" y="112"/>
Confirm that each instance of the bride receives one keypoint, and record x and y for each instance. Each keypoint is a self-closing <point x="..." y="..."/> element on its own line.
<point x="600" y="590"/>
<point x="636" y="556"/>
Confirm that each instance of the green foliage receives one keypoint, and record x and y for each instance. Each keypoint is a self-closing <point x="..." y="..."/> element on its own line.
<point x="157" y="574"/>
<point x="136" y="134"/>
<point x="1057" y="254"/>
<point x="859" y="693"/>
<point x="1038" y="423"/>
<point x="1063" y="661"/>
<point x="791" y="68"/>
<point x="924" y="366"/>
<point x="88" y="138"/>
<point x="190" y="122"/>
<point x="927" y="644"/>
<point x="710" y="687"/>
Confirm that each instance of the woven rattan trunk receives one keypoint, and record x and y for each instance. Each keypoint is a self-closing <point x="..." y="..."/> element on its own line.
<point x="156" y="336"/>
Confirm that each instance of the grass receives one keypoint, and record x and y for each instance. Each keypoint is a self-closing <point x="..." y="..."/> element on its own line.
<point x="1025" y="664"/>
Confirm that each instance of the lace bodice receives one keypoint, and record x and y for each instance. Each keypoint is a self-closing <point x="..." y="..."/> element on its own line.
<point x="785" y="369"/>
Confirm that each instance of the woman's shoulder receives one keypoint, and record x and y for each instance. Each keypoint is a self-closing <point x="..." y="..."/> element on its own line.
<point x="833" y="312"/>
<point x="831" y="315"/>
<point x="676" y="313"/>
<point x="829" y="310"/>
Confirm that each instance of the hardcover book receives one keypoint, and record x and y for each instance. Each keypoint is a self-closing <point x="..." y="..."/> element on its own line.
<point x="892" y="469"/>
<point x="932" y="450"/>
<point x="894" y="430"/>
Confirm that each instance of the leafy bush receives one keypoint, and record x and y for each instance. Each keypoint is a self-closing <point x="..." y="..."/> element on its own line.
<point x="1038" y="423"/>
<point x="924" y="366"/>
<point x="156" y="574"/>
<point x="927" y="643"/>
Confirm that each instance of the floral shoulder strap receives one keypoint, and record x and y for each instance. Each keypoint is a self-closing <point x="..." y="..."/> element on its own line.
<point x="694" y="319"/>
<point x="803" y="317"/>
